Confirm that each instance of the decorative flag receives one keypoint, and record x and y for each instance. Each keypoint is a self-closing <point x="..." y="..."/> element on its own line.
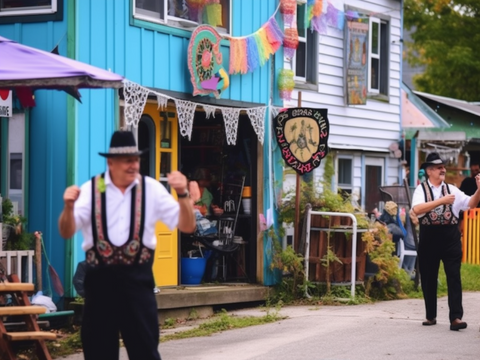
<point x="302" y="135"/>
<point x="289" y="10"/>
<point x="290" y="42"/>
<point x="286" y="84"/>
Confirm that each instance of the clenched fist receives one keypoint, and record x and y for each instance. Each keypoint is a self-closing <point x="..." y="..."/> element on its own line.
<point x="448" y="199"/>
<point x="177" y="181"/>
<point x="71" y="195"/>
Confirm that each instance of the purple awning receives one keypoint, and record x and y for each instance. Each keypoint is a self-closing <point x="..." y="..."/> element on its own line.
<point x="24" y="66"/>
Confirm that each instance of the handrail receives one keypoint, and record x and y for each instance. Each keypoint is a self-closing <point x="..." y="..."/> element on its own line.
<point x="354" y="244"/>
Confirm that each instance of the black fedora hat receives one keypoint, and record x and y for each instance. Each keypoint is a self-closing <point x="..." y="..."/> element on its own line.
<point x="432" y="160"/>
<point x="123" y="143"/>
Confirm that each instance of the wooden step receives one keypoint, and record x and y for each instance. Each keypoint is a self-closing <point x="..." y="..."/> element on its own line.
<point x="22" y="310"/>
<point x="29" y="335"/>
<point x="12" y="287"/>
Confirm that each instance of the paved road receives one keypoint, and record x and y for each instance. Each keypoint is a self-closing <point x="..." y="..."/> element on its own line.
<point x="385" y="330"/>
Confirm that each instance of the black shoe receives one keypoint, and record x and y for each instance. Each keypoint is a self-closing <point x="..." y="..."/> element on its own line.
<point x="429" y="322"/>
<point x="458" y="324"/>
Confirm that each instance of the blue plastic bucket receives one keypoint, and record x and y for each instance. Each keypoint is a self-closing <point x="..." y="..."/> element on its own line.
<point x="193" y="270"/>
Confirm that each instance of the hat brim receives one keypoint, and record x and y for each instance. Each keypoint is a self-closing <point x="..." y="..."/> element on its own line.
<point x="425" y="165"/>
<point x="112" y="155"/>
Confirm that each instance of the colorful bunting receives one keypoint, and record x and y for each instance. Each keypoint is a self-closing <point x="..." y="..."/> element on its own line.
<point x="247" y="53"/>
<point x="288" y="8"/>
<point x="290" y="42"/>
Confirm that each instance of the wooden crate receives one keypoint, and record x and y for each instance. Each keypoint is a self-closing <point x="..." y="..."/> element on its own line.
<point x="341" y="245"/>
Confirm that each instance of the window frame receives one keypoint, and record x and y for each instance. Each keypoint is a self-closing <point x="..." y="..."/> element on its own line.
<point x="311" y="47"/>
<point x="382" y="56"/>
<point x="345" y="186"/>
<point x="34" y="14"/>
<point x="173" y="21"/>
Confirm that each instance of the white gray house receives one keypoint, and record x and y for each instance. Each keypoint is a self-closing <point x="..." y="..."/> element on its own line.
<point x="364" y="139"/>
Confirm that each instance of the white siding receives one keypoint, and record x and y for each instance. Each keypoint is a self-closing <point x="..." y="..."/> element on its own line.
<point x="368" y="130"/>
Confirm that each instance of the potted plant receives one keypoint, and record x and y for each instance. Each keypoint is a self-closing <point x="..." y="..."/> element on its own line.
<point x="14" y="234"/>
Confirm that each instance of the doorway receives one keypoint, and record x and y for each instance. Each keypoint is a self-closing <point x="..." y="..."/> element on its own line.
<point x="373" y="180"/>
<point x="209" y="151"/>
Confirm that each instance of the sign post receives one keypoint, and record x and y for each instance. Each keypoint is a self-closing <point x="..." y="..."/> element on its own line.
<point x="302" y="135"/>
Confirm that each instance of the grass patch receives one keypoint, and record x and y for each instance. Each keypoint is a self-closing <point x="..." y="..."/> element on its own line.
<point x="470" y="281"/>
<point x="221" y="322"/>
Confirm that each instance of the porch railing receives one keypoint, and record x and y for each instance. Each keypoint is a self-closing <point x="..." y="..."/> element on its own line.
<point x="14" y="263"/>
<point x="471" y="236"/>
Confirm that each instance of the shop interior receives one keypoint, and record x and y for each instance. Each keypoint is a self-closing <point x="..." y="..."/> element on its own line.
<point x="208" y="155"/>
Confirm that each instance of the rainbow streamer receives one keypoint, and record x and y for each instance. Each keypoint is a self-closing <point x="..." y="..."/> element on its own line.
<point x="252" y="54"/>
<point x="274" y="34"/>
<point x="335" y="17"/>
<point x="314" y="9"/>
<point x="247" y="53"/>
<point x="238" y="61"/>
<point x="262" y="55"/>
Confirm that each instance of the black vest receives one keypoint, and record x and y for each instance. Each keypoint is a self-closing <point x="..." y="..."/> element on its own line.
<point x="103" y="251"/>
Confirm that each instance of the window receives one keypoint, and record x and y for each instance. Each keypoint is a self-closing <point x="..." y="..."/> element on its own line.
<point x="378" y="57"/>
<point x="13" y="11"/>
<point x="183" y="13"/>
<point x="27" y="7"/>
<point x="304" y="63"/>
<point x="345" y="178"/>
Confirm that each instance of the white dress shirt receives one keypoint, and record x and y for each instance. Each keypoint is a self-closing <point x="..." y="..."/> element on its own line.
<point x="460" y="203"/>
<point x="160" y="205"/>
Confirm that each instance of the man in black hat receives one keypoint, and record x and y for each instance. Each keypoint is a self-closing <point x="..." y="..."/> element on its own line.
<point x="117" y="212"/>
<point x="438" y="206"/>
<point x="468" y="185"/>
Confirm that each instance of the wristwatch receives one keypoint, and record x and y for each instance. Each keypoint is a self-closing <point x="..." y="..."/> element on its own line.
<point x="184" y="195"/>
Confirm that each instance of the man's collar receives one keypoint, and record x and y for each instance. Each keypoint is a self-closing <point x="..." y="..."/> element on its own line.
<point x="433" y="186"/>
<point x="108" y="180"/>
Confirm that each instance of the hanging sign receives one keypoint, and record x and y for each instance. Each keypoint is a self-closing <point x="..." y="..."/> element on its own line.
<point x="205" y="62"/>
<point x="5" y="103"/>
<point x="302" y="134"/>
<point x="356" y="61"/>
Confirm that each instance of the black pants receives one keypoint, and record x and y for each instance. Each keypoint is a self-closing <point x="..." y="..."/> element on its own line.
<point x="120" y="300"/>
<point x="441" y="243"/>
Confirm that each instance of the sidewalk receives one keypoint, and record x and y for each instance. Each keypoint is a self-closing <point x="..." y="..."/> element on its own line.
<point x="369" y="331"/>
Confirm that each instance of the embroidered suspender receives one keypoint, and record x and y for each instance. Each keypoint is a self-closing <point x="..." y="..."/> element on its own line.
<point x="133" y="250"/>
<point x="435" y="216"/>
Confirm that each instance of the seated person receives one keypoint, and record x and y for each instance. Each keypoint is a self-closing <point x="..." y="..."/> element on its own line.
<point x="204" y="202"/>
<point x="391" y="218"/>
<point x="204" y="226"/>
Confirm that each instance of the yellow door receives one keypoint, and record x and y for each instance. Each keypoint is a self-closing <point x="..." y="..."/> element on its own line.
<point x="165" y="266"/>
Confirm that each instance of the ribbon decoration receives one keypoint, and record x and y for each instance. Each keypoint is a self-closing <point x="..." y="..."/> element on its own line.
<point x="289" y="9"/>
<point x="247" y="53"/>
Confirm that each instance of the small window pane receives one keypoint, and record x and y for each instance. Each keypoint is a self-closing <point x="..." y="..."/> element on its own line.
<point x="24" y="4"/>
<point x="15" y="171"/>
<point x="301" y="20"/>
<point x="197" y="11"/>
<point x="374" y="74"/>
<point x="345" y="171"/>
<point x="165" y="164"/>
<point x="375" y="38"/>
<point x="300" y="60"/>
<point x="151" y="8"/>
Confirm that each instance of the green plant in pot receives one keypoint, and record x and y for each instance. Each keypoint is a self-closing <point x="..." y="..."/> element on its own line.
<point x="14" y="229"/>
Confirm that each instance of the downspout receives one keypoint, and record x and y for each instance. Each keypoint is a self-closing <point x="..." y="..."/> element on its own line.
<point x="71" y="137"/>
